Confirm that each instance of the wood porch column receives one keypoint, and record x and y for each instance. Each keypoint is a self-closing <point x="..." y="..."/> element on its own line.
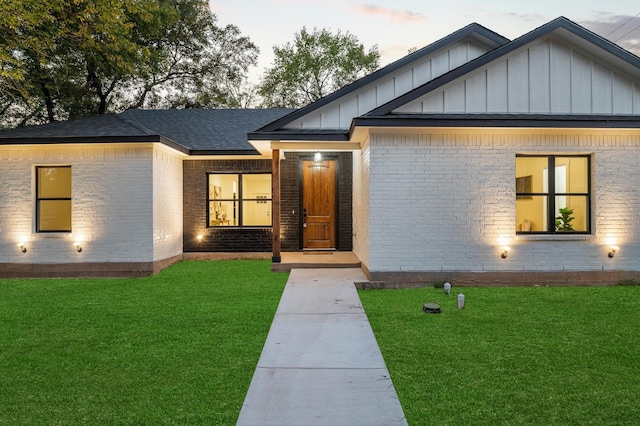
<point x="275" y="196"/>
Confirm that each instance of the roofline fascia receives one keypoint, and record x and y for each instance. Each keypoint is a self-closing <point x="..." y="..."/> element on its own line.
<point x="547" y="28"/>
<point x="196" y="152"/>
<point x="500" y="121"/>
<point x="75" y="140"/>
<point x="339" y="136"/>
<point x="400" y="63"/>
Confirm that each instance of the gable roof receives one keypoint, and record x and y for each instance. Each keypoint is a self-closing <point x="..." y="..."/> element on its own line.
<point x="473" y="31"/>
<point x="191" y="131"/>
<point x="390" y="113"/>
<point x="562" y="26"/>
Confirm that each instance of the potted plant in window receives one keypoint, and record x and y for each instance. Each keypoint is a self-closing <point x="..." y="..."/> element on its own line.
<point x="563" y="222"/>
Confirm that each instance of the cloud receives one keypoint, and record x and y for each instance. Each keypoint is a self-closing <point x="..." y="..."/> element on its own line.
<point x="623" y="30"/>
<point x="393" y="15"/>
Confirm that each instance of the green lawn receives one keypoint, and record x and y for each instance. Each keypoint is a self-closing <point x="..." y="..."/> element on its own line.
<point x="177" y="348"/>
<point x="529" y="355"/>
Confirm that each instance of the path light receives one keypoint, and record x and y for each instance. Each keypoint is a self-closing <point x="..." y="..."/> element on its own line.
<point x="447" y="288"/>
<point x="505" y="252"/>
<point x="613" y="250"/>
<point x="460" y="301"/>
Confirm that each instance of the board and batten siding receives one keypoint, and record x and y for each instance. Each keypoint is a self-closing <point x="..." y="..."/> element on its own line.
<point x="541" y="78"/>
<point x="338" y="114"/>
<point x="446" y="202"/>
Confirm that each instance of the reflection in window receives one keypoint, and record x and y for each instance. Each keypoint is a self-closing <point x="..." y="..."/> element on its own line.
<point x="552" y="202"/>
<point x="53" y="199"/>
<point x="239" y="199"/>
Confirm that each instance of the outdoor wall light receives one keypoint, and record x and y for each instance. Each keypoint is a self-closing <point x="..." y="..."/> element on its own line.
<point x="317" y="157"/>
<point x="199" y="237"/>
<point x="505" y="252"/>
<point x="612" y="251"/>
<point x="78" y="246"/>
<point x="22" y="247"/>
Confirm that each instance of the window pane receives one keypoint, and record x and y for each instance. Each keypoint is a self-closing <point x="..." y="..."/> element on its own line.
<point x="531" y="174"/>
<point x="575" y="218"/>
<point x="55" y="215"/>
<point x="223" y="187"/>
<point x="256" y="213"/>
<point x="256" y="187"/>
<point x="223" y="213"/>
<point x="54" y="182"/>
<point x="531" y="214"/>
<point x="572" y="174"/>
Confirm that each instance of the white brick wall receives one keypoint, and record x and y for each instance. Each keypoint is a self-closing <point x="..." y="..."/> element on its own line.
<point x="167" y="208"/>
<point x="112" y="207"/>
<point x="446" y="202"/>
<point x="361" y="203"/>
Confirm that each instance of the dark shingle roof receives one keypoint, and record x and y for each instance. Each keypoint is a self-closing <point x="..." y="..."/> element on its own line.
<point x="91" y="127"/>
<point x="193" y="131"/>
<point x="206" y="129"/>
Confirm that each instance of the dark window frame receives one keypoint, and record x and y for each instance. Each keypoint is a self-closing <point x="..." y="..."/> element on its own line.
<point x="552" y="194"/>
<point x="238" y="200"/>
<point x="39" y="199"/>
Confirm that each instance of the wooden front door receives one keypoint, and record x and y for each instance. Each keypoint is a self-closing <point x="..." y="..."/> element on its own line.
<point x="318" y="204"/>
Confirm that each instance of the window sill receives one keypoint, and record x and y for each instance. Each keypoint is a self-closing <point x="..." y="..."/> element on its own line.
<point x="52" y="234"/>
<point x="555" y="237"/>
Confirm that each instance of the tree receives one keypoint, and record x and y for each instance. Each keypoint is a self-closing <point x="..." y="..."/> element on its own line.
<point x="72" y="58"/>
<point x="314" y="65"/>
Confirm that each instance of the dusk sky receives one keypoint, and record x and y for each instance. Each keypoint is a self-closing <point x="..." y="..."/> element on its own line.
<point x="399" y="25"/>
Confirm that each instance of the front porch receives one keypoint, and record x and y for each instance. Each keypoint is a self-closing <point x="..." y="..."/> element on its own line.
<point x="290" y="260"/>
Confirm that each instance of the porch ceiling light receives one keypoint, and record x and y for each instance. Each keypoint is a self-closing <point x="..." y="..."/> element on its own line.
<point x="317" y="157"/>
<point x="612" y="251"/>
<point x="505" y="252"/>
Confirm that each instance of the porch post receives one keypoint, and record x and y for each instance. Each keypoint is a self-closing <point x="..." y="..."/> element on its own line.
<point x="275" y="189"/>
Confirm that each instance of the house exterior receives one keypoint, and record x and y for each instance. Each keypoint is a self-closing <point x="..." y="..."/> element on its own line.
<point x="476" y="160"/>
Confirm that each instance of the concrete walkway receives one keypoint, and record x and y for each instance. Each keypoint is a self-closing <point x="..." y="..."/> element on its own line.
<point x="321" y="364"/>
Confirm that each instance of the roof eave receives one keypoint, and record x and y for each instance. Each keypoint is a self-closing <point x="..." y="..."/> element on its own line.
<point x="293" y="135"/>
<point x="500" y="121"/>
<point x="75" y="140"/>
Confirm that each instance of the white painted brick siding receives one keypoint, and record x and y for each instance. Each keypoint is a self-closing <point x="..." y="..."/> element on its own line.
<point x="112" y="205"/>
<point x="361" y="203"/>
<point x="445" y="202"/>
<point x="167" y="206"/>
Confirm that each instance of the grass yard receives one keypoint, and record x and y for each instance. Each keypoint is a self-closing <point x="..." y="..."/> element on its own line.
<point x="528" y="355"/>
<point x="177" y="348"/>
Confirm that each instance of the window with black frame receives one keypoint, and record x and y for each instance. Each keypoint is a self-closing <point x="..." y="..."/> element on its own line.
<point x="53" y="199"/>
<point x="239" y="199"/>
<point x="553" y="202"/>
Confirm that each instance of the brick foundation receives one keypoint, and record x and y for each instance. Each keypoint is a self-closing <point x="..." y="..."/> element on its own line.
<point x="497" y="279"/>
